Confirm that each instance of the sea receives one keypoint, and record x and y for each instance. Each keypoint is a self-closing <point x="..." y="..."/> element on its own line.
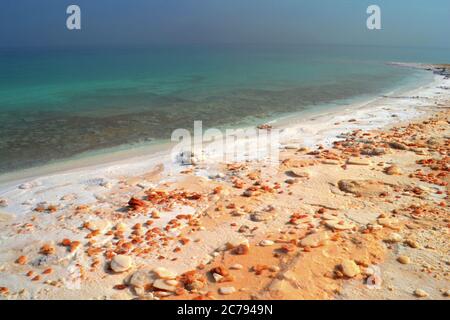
<point x="60" y="103"/>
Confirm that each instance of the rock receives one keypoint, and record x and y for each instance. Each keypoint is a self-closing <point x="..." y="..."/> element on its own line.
<point x="349" y="268"/>
<point x="359" y="161"/>
<point x="391" y="223"/>
<point x="446" y="293"/>
<point x="3" y="203"/>
<point x="262" y="216"/>
<point x="297" y="173"/>
<point x="165" y="285"/>
<point x="291" y="181"/>
<point x="121" y="263"/>
<point x="266" y="243"/>
<point x="331" y="162"/>
<point x="140" y="279"/>
<point x="136" y="204"/>
<point x="232" y="244"/>
<point x="373" y="151"/>
<point x="315" y="240"/>
<point x="217" y="277"/>
<point x="237" y="266"/>
<point x="393" y="170"/>
<point x="412" y="243"/>
<point x="26" y="185"/>
<point x="163" y="273"/>
<point x="397" y="145"/>
<point x="339" y="225"/>
<point x="420" y="293"/>
<point x="101" y="225"/>
<point x="122" y="227"/>
<point x="362" y="187"/>
<point x="404" y="259"/>
<point x="227" y="290"/>
<point x="394" y="238"/>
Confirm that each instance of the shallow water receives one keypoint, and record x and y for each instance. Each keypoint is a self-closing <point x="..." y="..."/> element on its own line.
<point x="55" y="104"/>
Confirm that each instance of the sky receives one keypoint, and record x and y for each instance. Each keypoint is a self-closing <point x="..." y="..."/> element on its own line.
<point x="42" y="23"/>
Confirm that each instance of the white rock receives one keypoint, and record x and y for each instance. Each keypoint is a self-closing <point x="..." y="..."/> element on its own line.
<point x="314" y="240"/>
<point x="237" y="266"/>
<point x="163" y="285"/>
<point x="217" y="277"/>
<point x="100" y="225"/>
<point x="227" y="290"/>
<point x="266" y="243"/>
<point x="350" y="268"/>
<point x="163" y="273"/>
<point x="394" y="238"/>
<point x="420" y="293"/>
<point x="140" y="279"/>
<point x="121" y="263"/>
<point x="3" y="203"/>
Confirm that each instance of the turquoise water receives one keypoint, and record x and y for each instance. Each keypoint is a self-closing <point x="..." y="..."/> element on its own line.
<point x="57" y="103"/>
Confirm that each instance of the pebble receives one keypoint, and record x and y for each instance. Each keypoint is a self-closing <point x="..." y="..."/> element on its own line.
<point x="404" y="259"/>
<point x="394" y="238"/>
<point x="299" y="174"/>
<point x="100" y="225"/>
<point x="163" y="285"/>
<point x="337" y="225"/>
<point x="350" y="268"/>
<point x="121" y="263"/>
<point x="237" y="266"/>
<point x="412" y="243"/>
<point x="3" y="203"/>
<point x="163" y="273"/>
<point x="420" y="293"/>
<point x="262" y="216"/>
<point x="266" y="243"/>
<point x="393" y="170"/>
<point x="140" y="279"/>
<point x="314" y="240"/>
<point x="359" y="161"/>
<point x="227" y="290"/>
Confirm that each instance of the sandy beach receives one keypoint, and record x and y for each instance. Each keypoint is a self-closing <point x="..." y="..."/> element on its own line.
<point x="357" y="207"/>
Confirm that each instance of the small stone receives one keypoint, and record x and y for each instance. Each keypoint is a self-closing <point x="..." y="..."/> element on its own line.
<point x="266" y="243"/>
<point x="3" y="203"/>
<point x="298" y="174"/>
<point x="412" y="243"/>
<point x="446" y="293"/>
<point x="101" y="225"/>
<point x="349" y="268"/>
<point x="162" y="284"/>
<point x="217" y="277"/>
<point x="388" y="223"/>
<point x="359" y="161"/>
<point x="338" y="225"/>
<point x="237" y="266"/>
<point x="404" y="259"/>
<point x="394" y="238"/>
<point x="121" y="263"/>
<point x="163" y="273"/>
<point x="420" y="293"/>
<point x="397" y="145"/>
<point x="393" y="170"/>
<point x="227" y="290"/>
<point x="314" y="240"/>
<point x="262" y="216"/>
<point x="122" y="227"/>
<point x="140" y="279"/>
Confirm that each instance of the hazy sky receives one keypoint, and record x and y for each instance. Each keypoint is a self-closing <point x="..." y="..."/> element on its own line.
<point x="418" y="23"/>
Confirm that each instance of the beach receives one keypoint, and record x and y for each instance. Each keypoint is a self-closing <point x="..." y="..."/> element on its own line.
<point x="356" y="207"/>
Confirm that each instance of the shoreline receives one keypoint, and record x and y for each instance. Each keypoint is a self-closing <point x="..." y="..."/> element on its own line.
<point x="370" y="203"/>
<point x="158" y="151"/>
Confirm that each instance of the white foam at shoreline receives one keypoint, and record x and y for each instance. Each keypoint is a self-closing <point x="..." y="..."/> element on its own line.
<point x="86" y="182"/>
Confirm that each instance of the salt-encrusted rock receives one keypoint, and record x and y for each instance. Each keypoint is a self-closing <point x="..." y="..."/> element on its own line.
<point x="236" y="243"/>
<point x="121" y="263"/>
<point x="404" y="259"/>
<point x="393" y="170"/>
<point x="227" y="290"/>
<point x="262" y="216"/>
<point x="359" y="161"/>
<point x="331" y="162"/>
<point x="388" y="223"/>
<point x="339" y="225"/>
<point x="397" y="145"/>
<point x="315" y="239"/>
<point x="101" y="225"/>
<point x="394" y="238"/>
<point x="298" y="173"/>
<point x="266" y="243"/>
<point x="349" y="268"/>
<point x="420" y="293"/>
<point x="163" y="284"/>
<point x="163" y="273"/>
<point x="140" y="279"/>
<point x="362" y="187"/>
